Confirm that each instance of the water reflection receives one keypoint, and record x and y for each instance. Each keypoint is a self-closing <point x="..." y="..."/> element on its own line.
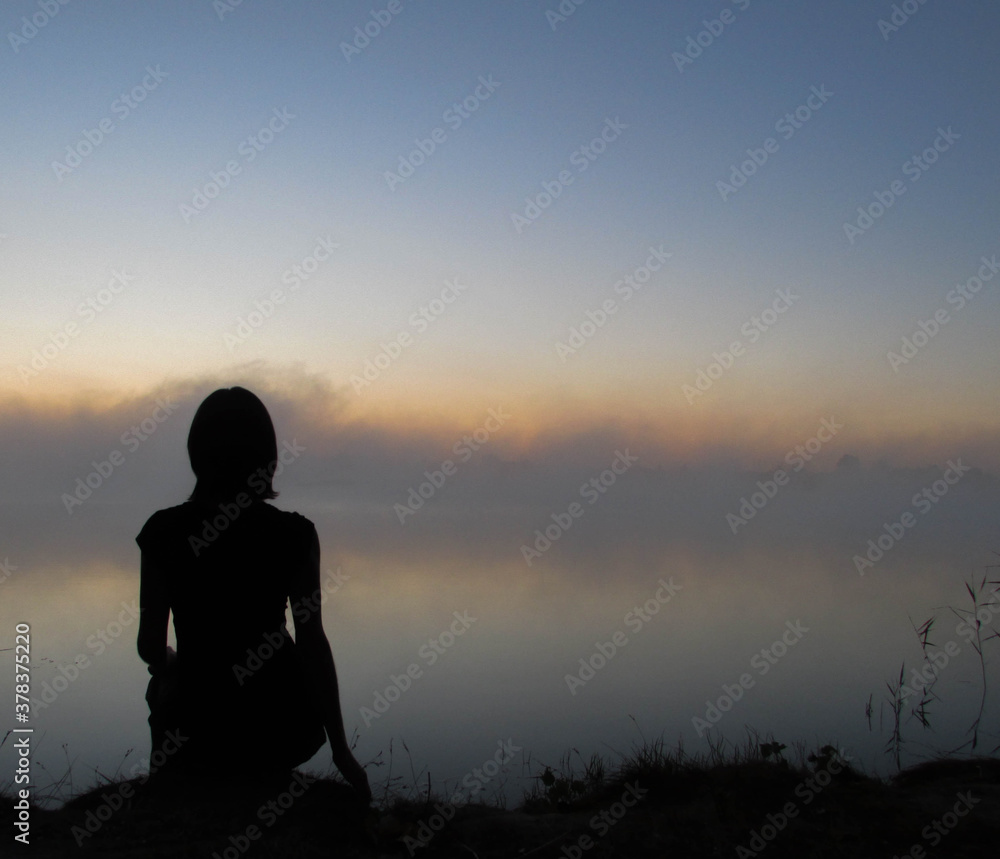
<point x="451" y="646"/>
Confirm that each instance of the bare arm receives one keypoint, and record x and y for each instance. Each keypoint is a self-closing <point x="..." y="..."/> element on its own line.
<point x="311" y="641"/>
<point x="154" y="613"/>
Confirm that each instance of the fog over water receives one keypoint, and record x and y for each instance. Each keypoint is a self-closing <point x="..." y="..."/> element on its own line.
<point x="521" y="601"/>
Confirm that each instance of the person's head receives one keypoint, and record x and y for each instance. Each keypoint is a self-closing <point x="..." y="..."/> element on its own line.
<point x="232" y="440"/>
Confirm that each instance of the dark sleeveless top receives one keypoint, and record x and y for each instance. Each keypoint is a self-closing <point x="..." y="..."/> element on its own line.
<point x="242" y="693"/>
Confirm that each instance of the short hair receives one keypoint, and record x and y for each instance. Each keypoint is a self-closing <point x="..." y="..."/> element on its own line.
<point x="232" y="438"/>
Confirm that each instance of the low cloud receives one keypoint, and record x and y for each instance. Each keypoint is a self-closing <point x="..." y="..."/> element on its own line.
<point x="355" y="476"/>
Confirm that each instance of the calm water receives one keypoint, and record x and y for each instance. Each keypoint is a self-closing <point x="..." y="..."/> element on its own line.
<point x="480" y="643"/>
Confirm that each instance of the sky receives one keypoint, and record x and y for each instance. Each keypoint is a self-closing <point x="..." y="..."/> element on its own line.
<point x="321" y="194"/>
<point x="729" y="239"/>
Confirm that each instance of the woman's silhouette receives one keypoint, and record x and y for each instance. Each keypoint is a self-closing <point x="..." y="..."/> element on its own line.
<point x="240" y="695"/>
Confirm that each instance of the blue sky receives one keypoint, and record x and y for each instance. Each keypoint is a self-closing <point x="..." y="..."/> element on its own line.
<point x="556" y="85"/>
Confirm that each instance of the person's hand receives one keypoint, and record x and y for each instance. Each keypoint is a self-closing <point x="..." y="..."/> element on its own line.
<point x="166" y="666"/>
<point x="355" y="774"/>
<point x="358" y="779"/>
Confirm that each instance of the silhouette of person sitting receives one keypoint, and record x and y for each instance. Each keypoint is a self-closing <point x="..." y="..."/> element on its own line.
<point x="238" y="696"/>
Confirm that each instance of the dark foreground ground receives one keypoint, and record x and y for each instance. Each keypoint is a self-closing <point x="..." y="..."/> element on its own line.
<point x="947" y="808"/>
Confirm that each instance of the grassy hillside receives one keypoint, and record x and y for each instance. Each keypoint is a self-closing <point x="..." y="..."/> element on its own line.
<point x="657" y="803"/>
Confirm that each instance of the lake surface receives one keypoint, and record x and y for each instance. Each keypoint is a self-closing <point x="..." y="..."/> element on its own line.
<point x="641" y="614"/>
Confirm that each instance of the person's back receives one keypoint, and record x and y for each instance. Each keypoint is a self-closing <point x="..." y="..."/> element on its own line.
<point x="239" y="678"/>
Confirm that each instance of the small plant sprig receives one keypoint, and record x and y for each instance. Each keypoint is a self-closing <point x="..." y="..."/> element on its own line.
<point x="972" y="618"/>
<point x="894" y="746"/>
<point x="977" y="619"/>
